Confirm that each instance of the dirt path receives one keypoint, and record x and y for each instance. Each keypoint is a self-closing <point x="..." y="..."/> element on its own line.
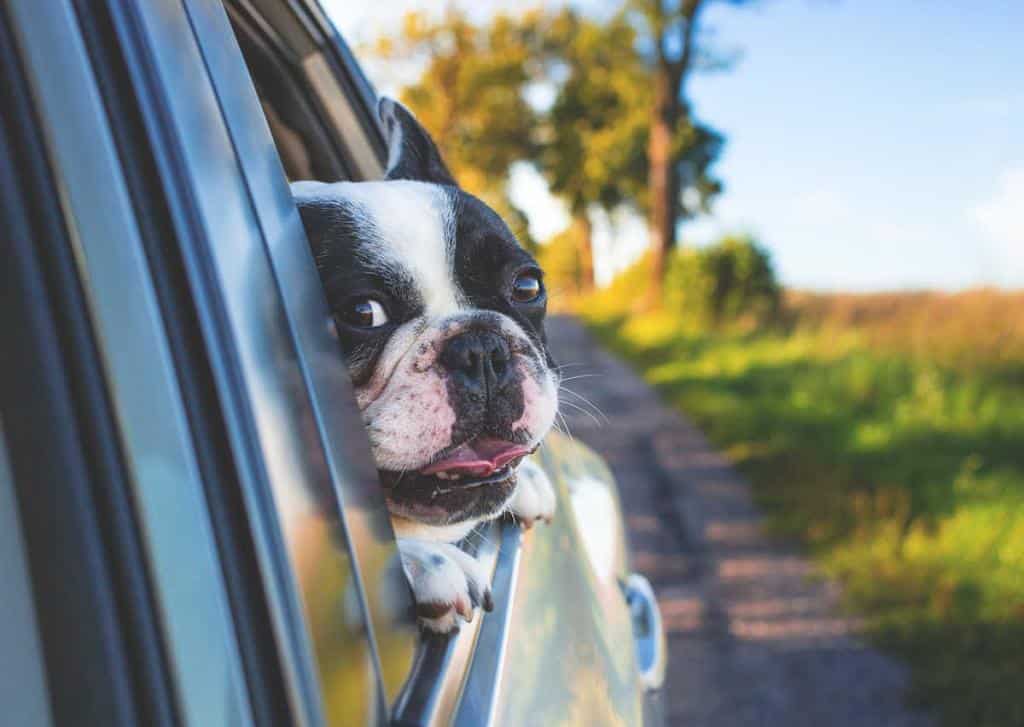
<point x="752" y="640"/>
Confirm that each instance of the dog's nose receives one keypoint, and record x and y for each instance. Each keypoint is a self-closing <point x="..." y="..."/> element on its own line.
<point x="480" y="359"/>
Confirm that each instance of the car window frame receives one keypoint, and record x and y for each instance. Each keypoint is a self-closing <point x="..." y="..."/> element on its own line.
<point x="218" y="191"/>
<point x="163" y="657"/>
<point x="23" y="689"/>
<point x="50" y="474"/>
<point x="346" y="451"/>
<point x="456" y="678"/>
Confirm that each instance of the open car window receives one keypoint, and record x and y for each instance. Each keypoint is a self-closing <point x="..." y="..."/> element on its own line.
<point x="335" y="443"/>
<point x="317" y="105"/>
<point x="186" y="245"/>
<point x="331" y="108"/>
<point x="225" y="551"/>
<point x="238" y="382"/>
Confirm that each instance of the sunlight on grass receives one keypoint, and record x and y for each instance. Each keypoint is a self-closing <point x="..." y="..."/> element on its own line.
<point x="898" y="461"/>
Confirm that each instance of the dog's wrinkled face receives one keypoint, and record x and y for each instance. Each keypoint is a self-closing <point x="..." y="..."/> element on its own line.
<point x="440" y="314"/>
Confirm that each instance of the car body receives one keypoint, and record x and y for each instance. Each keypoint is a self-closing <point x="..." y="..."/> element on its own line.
<point x="191" y="528"/>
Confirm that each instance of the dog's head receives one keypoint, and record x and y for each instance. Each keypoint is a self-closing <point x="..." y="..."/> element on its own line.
<point x="440" y="314"/>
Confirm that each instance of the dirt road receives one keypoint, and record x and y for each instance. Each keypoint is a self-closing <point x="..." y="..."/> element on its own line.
<point x="753" y="640"/>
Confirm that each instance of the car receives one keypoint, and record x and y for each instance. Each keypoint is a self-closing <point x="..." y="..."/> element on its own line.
<point x="191" y="527"/>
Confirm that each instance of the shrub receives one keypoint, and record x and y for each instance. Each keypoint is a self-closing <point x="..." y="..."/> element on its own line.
<point x="559" y="257"/>
<point x="732" y="281"/>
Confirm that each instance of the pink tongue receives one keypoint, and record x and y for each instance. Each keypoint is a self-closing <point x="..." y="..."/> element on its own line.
<point x="480" y="457"/>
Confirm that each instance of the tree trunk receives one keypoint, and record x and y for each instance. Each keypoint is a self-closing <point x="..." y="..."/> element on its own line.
<point x="585" y="240"/>
<point x="662" y="181"/>
<point x="666" y="112"/>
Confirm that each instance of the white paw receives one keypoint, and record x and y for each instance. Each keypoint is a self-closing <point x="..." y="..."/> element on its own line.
<point x="534" y="498"/>
<point x="447" y="583"/>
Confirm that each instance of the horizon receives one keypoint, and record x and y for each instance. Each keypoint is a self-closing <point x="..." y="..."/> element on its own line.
<point x="870" y="199"/>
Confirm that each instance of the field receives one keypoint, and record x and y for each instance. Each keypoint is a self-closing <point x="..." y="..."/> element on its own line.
<point x="886" y="434"/>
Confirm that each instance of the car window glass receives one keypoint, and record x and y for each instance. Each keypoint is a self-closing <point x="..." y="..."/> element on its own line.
<point x="22" y="682"/>
<point x="341" y="479"/>
<point x="306" y="152"/>
<point x="320" y="629"/>
<point x="433" y="689"/>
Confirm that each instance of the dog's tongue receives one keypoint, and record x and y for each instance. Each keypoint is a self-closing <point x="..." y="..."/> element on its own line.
<point x="480" y="457"/>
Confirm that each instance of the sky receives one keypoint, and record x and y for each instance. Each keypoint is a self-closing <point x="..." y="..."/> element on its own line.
<point x="871" y="144"/>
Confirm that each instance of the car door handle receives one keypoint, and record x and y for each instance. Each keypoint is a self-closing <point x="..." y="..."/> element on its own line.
<point x="648" y="632"/>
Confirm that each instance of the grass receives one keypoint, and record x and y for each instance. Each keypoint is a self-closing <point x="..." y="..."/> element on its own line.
<point x="886" y="433"/>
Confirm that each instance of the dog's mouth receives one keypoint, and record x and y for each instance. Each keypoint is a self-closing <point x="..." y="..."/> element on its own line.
<point x="473" y="479"/>
<point x="477" y="461"/>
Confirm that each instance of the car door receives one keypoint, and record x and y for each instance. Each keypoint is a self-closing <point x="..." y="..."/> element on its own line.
<point x="233" y="594"/>
<point x="127" y="586"/>
<point x="256" y="574"/>
<point x="558" y="648"/>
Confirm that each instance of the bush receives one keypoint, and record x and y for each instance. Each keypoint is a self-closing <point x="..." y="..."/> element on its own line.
<point x="732" y="281"/>
<point x="872" y="437"/>
<point x="559" y="257"/>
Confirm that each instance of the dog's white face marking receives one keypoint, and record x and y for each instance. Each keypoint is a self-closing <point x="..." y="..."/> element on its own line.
<point x="414" y="223"/>
<point x="451" y="372"/>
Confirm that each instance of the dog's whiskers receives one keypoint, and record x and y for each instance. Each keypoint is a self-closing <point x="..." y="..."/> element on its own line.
<point x="580" y="409"/>
<point x="594" y="407"/>
<point x="579" y="376"/>
<point x="564" y="427"/>
<point x="562" y="367"/>
<point x="586" y="412"/>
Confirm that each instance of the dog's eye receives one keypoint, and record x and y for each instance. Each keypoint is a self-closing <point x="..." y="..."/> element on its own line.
<point x="526" y="287"/>
<point x="365" y="313"/>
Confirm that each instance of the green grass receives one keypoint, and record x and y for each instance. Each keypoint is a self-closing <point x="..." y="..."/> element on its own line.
<point x="903" y="474"/>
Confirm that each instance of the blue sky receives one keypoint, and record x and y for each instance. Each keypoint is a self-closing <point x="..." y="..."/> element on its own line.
<point x="872" y="144"/>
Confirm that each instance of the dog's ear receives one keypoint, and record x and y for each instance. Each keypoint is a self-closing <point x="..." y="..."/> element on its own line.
<point x="412" y="154"/>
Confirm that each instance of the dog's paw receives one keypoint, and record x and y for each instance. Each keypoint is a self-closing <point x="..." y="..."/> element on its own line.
<point x="534" y="498"/>
<point x="447" y="583"/>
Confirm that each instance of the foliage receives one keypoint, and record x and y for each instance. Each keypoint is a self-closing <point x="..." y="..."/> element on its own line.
<point x="593" y="138"/>
<point x="471" y="95"/>
<point x="595" y="133"/>
<point x="696" y="147"/>
<point x="728" y="282"/>
<point x="592" y="142"/>
<point x="975" y="328"/>
<point x="680" y="151"/>
<point x="900" y="465"/>
<point x="559" y="257"/>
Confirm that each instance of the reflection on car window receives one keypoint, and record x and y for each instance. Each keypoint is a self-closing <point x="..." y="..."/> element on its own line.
<point x="343" y="509"/>
<point x="305" y="150"/>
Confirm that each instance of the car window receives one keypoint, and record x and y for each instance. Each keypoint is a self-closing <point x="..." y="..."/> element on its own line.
<point x="343" y="111"/>
<point x="281" y="363"/>
<point x="314" y="119"/>
<point x="22" y="682"/>
<point x="121" y="490"/>
<point x="306" y="151"/>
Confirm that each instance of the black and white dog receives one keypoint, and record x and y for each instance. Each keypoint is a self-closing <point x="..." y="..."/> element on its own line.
<point x="440" y="314"/>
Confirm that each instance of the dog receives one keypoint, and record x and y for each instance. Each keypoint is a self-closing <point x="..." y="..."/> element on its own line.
<point x="440" y="315"/>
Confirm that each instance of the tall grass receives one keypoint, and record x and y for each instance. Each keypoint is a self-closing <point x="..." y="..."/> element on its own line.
<point x="886" y="433"/>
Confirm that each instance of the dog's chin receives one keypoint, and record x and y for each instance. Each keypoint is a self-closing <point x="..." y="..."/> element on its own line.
<point x="432" y="500"/>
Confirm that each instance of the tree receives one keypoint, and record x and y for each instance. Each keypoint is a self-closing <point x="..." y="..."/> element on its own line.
<point x="730" y="282"/>
<point x="679" y="150"/>
<point x="561" y="257"/>
<point x="471" y="96"/>
<point x="594" y="135"/>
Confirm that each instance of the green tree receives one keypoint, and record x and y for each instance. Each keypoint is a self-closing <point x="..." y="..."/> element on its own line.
<point x="594" y="135"/>
<point x="471" y="96"/>
<point x="731" y="281"/>
<point x="562" y="259"/>
<point x="680" y="151"/>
